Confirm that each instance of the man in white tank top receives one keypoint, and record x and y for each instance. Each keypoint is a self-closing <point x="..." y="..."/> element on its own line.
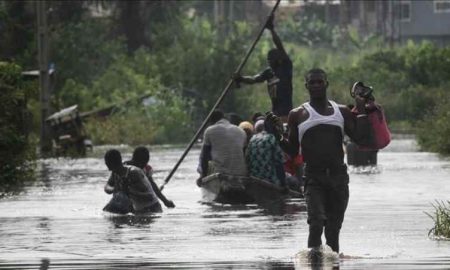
<point x="316" y="129"/>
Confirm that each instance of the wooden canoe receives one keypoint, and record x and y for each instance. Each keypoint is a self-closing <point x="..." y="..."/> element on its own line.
<point x="232" y="189"/>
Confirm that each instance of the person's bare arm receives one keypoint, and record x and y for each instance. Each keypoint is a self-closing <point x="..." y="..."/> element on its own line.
<point x="291" y="145"/>
<point x="357" y="127"/>
<point x="109" y="186"/>
<point x="277" y="41"/>
<point x="167" y="203"/>
<point x="258" y="78"/>
<point x="205" y="158"/>
<point x="275" y="38"/>
<point x="109" y="189"/>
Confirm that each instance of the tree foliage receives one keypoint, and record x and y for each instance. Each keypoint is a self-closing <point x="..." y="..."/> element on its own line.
<point x="104" y="55"/>
<point x="15" y="146"/>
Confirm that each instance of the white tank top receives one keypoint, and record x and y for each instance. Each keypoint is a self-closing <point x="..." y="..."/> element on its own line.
<point x="316" y="119"/>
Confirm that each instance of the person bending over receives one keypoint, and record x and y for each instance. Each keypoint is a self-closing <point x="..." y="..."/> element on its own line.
<point x="140" y="159"/>
<point x="131" y="181"/>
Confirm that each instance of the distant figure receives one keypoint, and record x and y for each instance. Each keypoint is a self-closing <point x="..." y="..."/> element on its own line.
<point x="128" y="182"/>
<point x="140" y="159"/>
<point x="360" y="157"/>
<point x="223" y="148"/>
<point x="265" y="158"/>
<point x="357" y="156"/>
<point x="317" y="129"/>
<point x="278" y="77"/>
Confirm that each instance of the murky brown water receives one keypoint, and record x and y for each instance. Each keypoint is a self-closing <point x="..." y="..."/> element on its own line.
<point x="60" y="218"/>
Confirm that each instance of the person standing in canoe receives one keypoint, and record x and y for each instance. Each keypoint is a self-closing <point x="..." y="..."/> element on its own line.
<point x="278" y="76"/>
<point x="317" y="128"/>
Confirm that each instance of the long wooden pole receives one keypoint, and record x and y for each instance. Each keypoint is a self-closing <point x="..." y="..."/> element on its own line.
<point x="221" y="97"/>
<point x="44" y="79"/>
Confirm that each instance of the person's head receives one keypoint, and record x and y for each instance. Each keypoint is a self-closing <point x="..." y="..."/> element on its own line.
<point x="269" y="127"/>
<point x="259" y="126"/>
<point x="141" y="156"/>
<point x="257" y="116"/>
<point x="274" y="58"/>
<point x="247" y="127"/>
<point x="316" y="82"/>
<point x="234" y="118"/>
<point x="113" y="160"/>
<point x="216" y="116"/>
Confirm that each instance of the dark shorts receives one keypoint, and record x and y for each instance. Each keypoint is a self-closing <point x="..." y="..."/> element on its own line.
<point x="326" y="198"/>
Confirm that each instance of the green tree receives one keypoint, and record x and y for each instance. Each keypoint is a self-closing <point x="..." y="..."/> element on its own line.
<point x="15" y="147"/>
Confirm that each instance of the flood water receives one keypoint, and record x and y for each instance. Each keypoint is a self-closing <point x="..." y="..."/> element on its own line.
<point x="59" y="217"/>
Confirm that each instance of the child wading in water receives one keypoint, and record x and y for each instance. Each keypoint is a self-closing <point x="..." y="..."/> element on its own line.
<point x="140" y="159"/>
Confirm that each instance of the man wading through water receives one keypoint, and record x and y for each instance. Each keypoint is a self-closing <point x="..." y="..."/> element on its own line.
<point x="316" y="128"/>
<point x="278" y="76"/>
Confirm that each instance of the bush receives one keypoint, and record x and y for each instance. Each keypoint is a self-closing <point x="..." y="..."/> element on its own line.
<point x="163" y="119"/>
<point x="16" y="151"/>
<point x="434" y="131"/>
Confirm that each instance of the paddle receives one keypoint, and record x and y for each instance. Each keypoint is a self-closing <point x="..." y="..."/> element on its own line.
<point x="221" y="97"/>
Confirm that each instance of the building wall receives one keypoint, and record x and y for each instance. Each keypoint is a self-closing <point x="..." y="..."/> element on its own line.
<point x="424" y="21"/>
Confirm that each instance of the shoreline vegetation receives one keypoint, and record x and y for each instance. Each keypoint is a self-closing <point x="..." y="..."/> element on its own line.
<point x="17" y="147"/>
<point x="441" y="218"/>
<point x="99" y="62"/>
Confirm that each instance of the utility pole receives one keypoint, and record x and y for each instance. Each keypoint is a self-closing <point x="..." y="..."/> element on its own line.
<point x="44" y="78"/>
<point x="327" y="12"/>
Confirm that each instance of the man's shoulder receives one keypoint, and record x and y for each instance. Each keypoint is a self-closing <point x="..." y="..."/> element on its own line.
<point x="135" y="171"/>
<point x="212" y="129"/>
<point x="298" y="115"/>
<point x="239" y="131"/>
<point x="343" y="108"/>
<point x="215" y="127"/>
<point x="299" y="111"/>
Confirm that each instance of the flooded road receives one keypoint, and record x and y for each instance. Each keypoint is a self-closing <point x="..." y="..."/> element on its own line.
<point x="60" y="217"/>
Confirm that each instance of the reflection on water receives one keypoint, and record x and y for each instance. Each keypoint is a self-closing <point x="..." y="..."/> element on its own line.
<point x="60" y="217"/>
<point x="372" y="169"/>
<point x="120" y="221"/>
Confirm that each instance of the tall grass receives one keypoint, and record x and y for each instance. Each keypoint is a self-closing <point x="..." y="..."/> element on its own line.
<point x="441" y="218"/>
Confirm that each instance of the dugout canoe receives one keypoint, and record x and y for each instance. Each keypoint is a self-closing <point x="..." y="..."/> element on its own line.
<point x="232" y="189"/>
